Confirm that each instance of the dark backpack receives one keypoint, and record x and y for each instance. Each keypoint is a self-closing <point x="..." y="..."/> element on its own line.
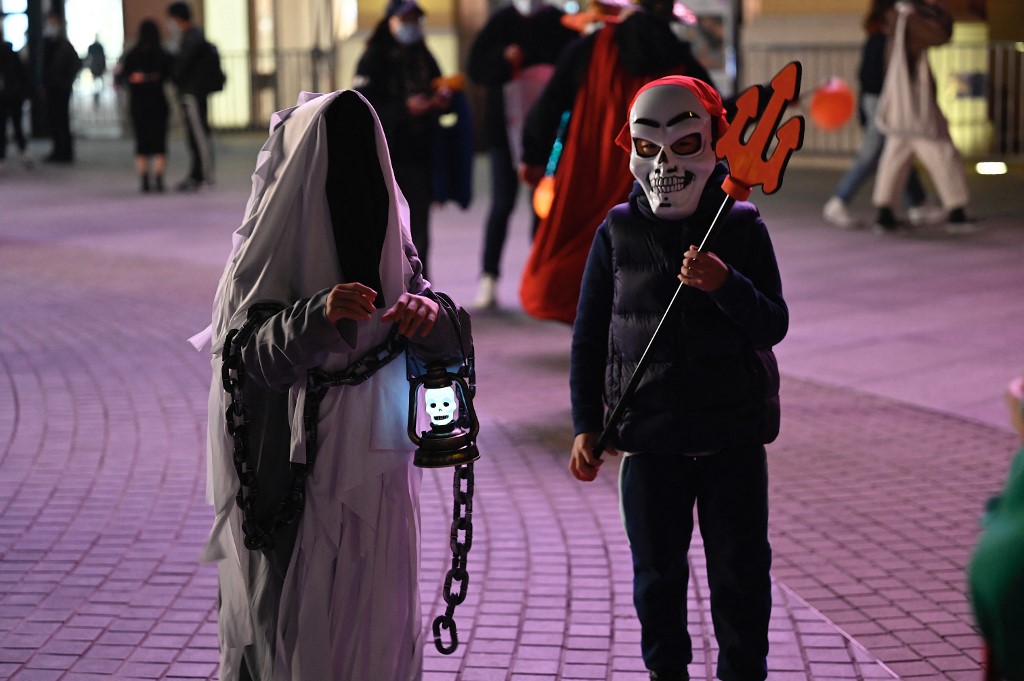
<point x="208" y="74"/>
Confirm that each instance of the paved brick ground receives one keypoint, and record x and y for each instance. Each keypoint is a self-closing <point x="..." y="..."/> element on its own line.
<point x="875" y="493"/>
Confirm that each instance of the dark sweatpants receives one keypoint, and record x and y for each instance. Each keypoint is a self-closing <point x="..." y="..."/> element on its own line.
<point x="730" y="489"/>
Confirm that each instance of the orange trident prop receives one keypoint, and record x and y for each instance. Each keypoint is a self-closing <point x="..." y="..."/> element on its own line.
<point x="749" y="165"/>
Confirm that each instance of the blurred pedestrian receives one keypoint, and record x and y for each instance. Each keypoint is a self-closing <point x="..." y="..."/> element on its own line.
<point x="595" y="80"/>
<point x="872" y="74"/>
<point x="187" y="75"/>
<point x="325" y="272"/>
<point x="145" y="69"/>
<point x="14" y="89"/>
<point x="909" y="115"/>
<point x="96" y="61"/>
<point x="694" y="431"/>
<point x="397" y="74"/>
<point x="519" y="36"/>
<point x="996" y="571"/>
<point x="61" y="65"/>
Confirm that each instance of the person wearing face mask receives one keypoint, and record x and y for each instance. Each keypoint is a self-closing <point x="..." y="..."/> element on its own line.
<point x="694" y="432"/>
<point x="518" y="36"/>
<point x="61" y="65"/>
<point x="396" y="74"/>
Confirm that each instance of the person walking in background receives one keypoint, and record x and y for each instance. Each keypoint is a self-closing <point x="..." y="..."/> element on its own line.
<point x="187" y="77"/>
<point x="595" y="80"/>
<point x="871" y="75"/>
<point x="909" y="115"/>
<point x="61" y="65"/>
<point x="694" y="431"/>
<point x="518" y="36"/>
<point x="396" y="74"/>
<point x="96" y="60"/>
<point x="14" y="88"/>
<point x="145" y="69"/>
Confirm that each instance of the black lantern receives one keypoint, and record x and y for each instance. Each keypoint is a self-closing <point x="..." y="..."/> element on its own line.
<point x="442" y="422"/>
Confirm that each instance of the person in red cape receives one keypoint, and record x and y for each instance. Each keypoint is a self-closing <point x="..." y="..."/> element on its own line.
<point x="595" y="80"/>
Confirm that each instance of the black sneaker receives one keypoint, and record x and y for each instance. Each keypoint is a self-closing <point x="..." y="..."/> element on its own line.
<point x="886" y="222"/>
<point x="670" y="676"/>
<point x="957" y="222"/>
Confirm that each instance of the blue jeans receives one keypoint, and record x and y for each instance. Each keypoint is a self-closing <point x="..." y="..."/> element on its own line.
<point x="730" y="490"/>
<point x="866" y="161"/>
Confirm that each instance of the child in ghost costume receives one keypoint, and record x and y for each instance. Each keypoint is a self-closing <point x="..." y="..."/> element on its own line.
<point x="694" y="432"/>
<point x="326" y="239"/>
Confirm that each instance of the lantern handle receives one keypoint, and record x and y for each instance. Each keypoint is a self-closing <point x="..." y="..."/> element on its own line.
<point x="468" y="365"/>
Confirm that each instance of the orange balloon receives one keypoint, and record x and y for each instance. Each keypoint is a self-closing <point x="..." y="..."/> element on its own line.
<point x="832" y="104"/>
<point x="544" y="196"/>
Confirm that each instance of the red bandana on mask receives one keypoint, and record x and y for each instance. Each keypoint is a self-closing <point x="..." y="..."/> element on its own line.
<point x="707" y="95"/>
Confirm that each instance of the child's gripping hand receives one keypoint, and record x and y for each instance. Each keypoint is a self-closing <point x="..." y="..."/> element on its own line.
<point x="703" y="270"/>
<point x="582" y="462"/>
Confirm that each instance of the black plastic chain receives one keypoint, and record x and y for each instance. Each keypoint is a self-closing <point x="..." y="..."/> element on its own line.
<point x="258" y="532"/>
<point x="456" y="582"/>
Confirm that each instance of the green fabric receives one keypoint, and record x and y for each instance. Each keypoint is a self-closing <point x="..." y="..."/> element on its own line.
<point x="996" y="575"/>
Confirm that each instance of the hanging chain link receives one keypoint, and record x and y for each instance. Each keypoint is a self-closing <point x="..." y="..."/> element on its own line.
<point x="258" y="532"/>
<point x="456" y="582"/>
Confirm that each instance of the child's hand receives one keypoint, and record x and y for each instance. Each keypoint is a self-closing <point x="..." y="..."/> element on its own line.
<point x="704" y="271"/>
<point x="350" y="301"/>
<point x="413" y="313"/>
<point x="582" y="462"/>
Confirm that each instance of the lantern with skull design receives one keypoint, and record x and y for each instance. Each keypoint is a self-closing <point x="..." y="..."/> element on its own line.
<point x="672" y="154"/>
<point x="442" y="422"/>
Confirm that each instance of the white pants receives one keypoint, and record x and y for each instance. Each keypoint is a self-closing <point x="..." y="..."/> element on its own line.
<point x="939" y="157"/>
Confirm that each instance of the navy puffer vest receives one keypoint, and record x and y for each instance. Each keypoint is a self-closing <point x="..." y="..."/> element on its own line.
<point x="706" y="387"/>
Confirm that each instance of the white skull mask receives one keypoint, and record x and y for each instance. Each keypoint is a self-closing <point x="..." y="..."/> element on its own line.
<point x="440" y="404"/>
<point x="673" y="154"/>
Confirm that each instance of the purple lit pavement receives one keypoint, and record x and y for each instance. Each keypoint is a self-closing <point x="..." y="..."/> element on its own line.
<point x="894" y="435"/>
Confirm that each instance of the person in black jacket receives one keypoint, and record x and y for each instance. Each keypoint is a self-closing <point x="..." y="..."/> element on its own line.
<point x="695" y="429"/>
<point x="397" y="74"/>
<point x="516" y="37"/>
<point x="61" y="65"/>
<point x="14" y="87"/>
<point x="145" y="69"/>
<point x="193" y="97"/>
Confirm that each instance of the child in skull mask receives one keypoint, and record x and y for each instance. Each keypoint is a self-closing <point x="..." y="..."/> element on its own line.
<point x="694" y="431"/>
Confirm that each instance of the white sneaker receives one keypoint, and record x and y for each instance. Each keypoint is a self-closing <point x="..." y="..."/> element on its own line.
<point x="486" y="292"/>
<point x="836" y="213"/>
<point x="920" y="216"/>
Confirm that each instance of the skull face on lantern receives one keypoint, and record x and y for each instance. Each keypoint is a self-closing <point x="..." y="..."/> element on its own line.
<point x="440" y="406"/>
<point x="672" y="155"/>
<point x="442" y="422"/>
